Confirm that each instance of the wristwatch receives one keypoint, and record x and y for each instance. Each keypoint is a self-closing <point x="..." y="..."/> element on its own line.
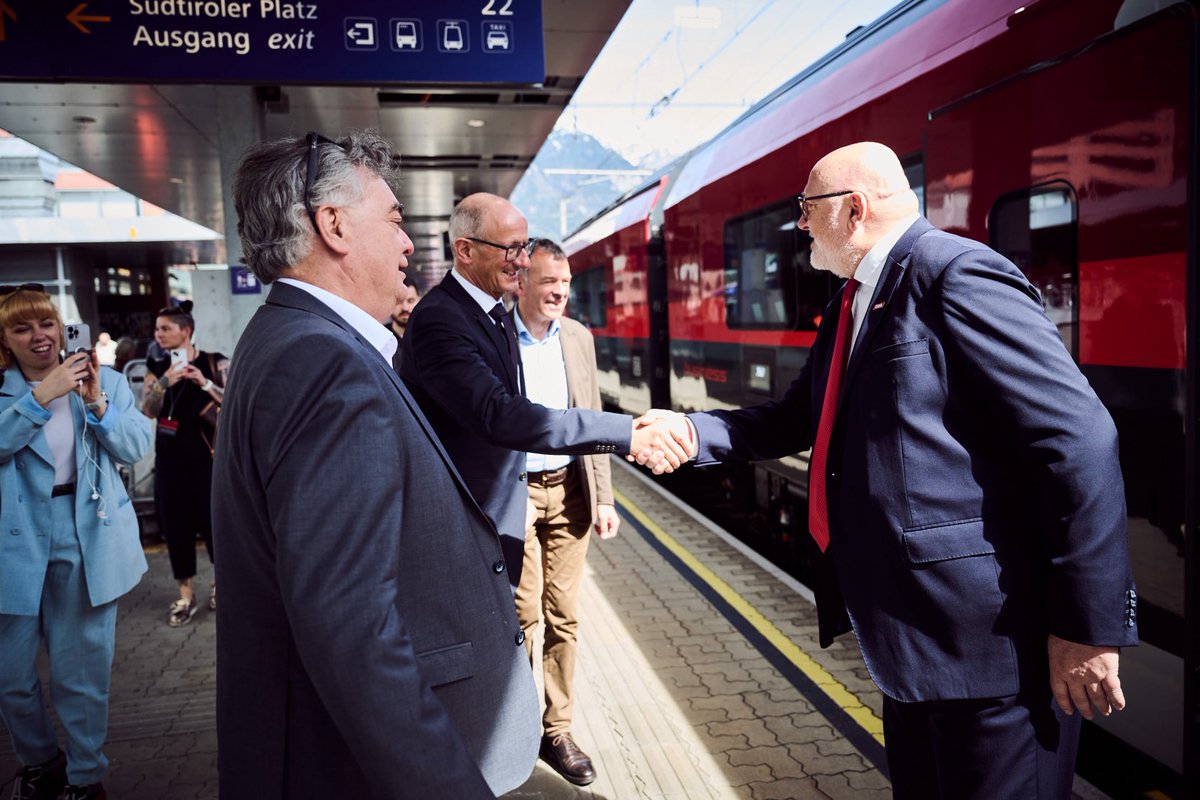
<point x="208" y="384"/>
<point x="95" y="405"/>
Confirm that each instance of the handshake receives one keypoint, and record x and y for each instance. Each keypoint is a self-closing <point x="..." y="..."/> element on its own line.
<point x="662" y="440"/>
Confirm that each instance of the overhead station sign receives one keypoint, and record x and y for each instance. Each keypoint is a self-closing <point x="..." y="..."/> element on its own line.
<point x="273" y="41"/>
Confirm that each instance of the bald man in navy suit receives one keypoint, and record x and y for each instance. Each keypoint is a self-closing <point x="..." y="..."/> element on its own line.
<point x="965" y="483"/>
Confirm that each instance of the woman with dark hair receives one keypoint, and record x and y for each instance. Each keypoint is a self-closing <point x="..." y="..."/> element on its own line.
<point x="187" y="381"/>
<point x="70" y="546"/>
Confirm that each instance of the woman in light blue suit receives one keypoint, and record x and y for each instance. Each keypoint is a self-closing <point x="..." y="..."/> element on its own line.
<point x="69" y="543"/>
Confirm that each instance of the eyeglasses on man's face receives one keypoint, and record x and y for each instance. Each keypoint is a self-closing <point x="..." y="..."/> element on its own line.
<point x="806" y="201"/>
<point x="8" y="291"/>
<point x="511" y="251"/>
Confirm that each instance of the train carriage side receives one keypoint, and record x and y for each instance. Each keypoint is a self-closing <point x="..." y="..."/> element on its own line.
<point x="611" y="281"/>
<point x="1065" y="136"/>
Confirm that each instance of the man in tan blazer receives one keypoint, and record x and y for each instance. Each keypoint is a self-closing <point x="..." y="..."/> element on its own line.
<point x="570" y="496"/>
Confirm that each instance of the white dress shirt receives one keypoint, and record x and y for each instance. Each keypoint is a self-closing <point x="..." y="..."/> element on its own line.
<point x="381" y="338"/>
<point x="545" y="383"/>
<point x="485" y="300"/>
<point x="869" y="270"/>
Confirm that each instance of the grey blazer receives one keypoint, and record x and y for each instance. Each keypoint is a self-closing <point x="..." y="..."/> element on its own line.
<point x="366" y="644"/>
<point x="579" y="358"/>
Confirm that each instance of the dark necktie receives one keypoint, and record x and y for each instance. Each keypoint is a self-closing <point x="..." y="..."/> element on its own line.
<point x="818" y="510"/>
<point x="497" y="313"/>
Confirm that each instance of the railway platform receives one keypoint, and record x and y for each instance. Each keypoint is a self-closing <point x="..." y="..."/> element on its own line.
<point x="699" y="676"/>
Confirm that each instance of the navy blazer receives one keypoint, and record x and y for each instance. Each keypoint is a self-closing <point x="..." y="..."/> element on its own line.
<point x="457" y="366"/>
<point x="367" y="644"/>
<point x="976" y="502"/>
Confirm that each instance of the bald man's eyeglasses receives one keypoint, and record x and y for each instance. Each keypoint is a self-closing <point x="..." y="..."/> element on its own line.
<point x="806" y="201"/>
<point x="511" y="251"/>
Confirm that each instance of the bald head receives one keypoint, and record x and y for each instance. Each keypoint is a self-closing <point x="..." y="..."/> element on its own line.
<point x="473" y="212"/>
<point x="482" y="228"/>
<point x="867" y="167"/>
<point x="870" y="195"/>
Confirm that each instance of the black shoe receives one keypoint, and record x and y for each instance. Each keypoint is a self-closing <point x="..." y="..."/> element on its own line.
<point x="42" y="781"/>
<point x="568" y="760"/>
<point x="93" y="791"/>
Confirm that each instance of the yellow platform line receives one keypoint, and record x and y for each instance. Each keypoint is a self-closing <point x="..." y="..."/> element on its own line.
<point x="831" y="686"/>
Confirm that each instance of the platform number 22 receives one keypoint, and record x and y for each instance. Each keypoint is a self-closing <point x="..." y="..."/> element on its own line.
<point x="505" y="10"/>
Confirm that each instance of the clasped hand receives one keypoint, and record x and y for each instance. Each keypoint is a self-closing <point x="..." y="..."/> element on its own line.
<point x="662" y="441"/>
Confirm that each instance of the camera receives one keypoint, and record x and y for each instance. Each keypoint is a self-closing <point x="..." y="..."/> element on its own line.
<point x="79" y="339"/>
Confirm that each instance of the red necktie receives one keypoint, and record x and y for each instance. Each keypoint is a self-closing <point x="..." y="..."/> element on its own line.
<point x="818" y="511"/>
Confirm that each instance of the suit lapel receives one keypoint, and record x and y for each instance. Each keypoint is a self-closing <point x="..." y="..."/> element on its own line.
<point x="290" y="296"/>
<point x="893" y="270"/>
<point x="15" y="385"/>
<point x="573" y="362"/>
<point x="490" y="329"/>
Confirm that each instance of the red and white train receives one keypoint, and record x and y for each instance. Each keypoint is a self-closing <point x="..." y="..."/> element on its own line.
<point x="1064" y="134"/>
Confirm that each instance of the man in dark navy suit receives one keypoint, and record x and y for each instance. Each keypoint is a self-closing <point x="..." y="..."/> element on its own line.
<point x="965" y="482"/>
<point x="367" y="645"/>
<point x="461" y="362"/>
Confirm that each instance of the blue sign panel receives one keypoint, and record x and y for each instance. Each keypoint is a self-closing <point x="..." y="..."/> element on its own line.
<point x="242" y="280"/>
<point x="373" y="42"/>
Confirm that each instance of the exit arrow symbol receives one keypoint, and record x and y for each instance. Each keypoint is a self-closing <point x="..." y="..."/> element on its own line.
<point x="77" y="18"/>
<point x="5" y="11"/>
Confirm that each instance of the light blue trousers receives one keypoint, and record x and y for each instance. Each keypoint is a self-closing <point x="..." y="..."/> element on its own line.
<point x="79" y="644"/>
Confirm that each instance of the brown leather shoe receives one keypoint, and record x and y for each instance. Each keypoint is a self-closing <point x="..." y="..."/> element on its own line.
<point x="568" y="760"/>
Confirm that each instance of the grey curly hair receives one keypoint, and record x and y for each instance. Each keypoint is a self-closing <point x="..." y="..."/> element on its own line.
<point x="268" y="193"/>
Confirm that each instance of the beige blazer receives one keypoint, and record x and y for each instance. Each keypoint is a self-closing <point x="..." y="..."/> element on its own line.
<point x="579" y="355"/>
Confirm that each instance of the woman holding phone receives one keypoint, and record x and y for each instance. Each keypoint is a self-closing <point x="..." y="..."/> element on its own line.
<point x="187" y="381"/>
<point x="70" y="546"/>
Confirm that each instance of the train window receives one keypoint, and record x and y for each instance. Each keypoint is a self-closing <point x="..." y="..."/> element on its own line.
<point x="1038" y="230"/>
<point x="588" y="297"/>
<point x="769" y="282"/>
<point x="914" y="170"/>
<point x="760" y="269"/>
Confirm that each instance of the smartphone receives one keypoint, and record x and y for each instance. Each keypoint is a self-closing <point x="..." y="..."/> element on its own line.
<point x="79" y="339"/>
<point x="179" y="357"/>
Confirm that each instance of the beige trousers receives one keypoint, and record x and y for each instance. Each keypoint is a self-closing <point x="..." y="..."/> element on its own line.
<point x="555" y="551"/>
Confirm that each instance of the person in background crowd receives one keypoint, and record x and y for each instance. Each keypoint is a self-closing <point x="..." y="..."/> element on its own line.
<point x="462" y="364"/>
<point x="187" y="381"/>
<point x="106" y="349"/>
<point x="367" y="644"/>
<point x="125" y="352"/>
<point x="965" y="484"/>
<point x="571" y="495"/>
<point x="406" y="300"/>
<point x="70" y="548"/>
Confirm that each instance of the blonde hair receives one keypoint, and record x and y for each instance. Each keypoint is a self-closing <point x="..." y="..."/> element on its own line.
<point x="26" y="305"/>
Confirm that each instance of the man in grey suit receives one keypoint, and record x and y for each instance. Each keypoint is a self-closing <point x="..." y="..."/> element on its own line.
<point x="366" y="644"/>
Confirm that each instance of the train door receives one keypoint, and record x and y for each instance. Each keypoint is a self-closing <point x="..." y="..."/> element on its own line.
<point x="1082" y="171"/>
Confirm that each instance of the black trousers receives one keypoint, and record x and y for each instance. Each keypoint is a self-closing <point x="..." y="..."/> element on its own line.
<point x="1004" y="748"/>
<point x="182" y="490"/>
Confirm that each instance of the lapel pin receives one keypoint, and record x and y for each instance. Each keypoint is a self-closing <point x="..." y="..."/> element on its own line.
<point x="878" y="306"/>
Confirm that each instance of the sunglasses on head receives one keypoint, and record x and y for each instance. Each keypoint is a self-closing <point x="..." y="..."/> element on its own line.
<point x="7" y="291"/>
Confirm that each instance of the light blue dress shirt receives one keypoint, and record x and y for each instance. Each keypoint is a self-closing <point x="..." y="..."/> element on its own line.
<point x="545" y="383"/>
